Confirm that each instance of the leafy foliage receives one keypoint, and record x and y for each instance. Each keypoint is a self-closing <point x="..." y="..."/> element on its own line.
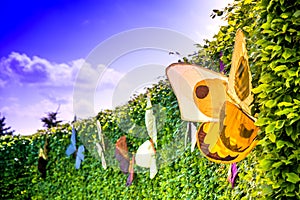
<point x="181" y="174"/>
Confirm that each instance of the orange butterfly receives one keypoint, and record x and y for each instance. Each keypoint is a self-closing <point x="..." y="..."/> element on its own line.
<point x="228" y="133"/>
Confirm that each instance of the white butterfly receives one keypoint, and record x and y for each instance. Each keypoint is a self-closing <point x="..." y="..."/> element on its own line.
<point x="145" y="155"/>
<point x="150" y="121"/>
<point x="72" y="149"/>
<point x="101" y="146"/>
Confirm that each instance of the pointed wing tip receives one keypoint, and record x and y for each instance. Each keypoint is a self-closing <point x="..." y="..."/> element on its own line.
<point x="70" y="150"/>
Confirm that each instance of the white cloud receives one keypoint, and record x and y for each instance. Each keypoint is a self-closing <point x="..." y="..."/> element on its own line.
<point x="21" y="69"/>
<point x="38" y="86"/>
<point x="111" y="76"/>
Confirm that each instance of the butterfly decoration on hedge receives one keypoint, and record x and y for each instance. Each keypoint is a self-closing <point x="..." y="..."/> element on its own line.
<point x="232" y="174"/>
<point x="121" y="154"/>
<point x="227" y="133"/>
<point x="72" y="149"/>
<point x="146" y="153"/>
<point x="190" y="133"/>
<point x="101" y="145"/>
<point x="131" y="171"/>
<point x="150" y="121"/>
<point x="43" y="159"/>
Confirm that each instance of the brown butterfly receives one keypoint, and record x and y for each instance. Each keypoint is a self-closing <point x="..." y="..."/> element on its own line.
<point x="227" y="133"/>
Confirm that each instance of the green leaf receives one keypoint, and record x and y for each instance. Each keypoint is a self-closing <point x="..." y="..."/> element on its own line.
<point x="280" y="144"/>
<point x="289" y="130"/>
<point x="272" y="137"/>
<point x="288" y="38"/>
<point x="285" y="15"/>
<point x="260" y="88"/>
<point x="266" y="26"/>
<point x="270" y="128"/>
<point x="262" y="121"/>
<point x="285" y="104"/>
<point x="284" y="28"/>
<point x="284" y="111"/>
<point x="292" y="115"/>
<point x="280" y="68"/>
<point x="271" y="103"/>
<point x="292" y="177"/>
<point x="287" y="53"/>
<point x="247" y="2"/>
<point x="279" y="124"/>
<point x="277" y="164"/>
<point x="297" y="14"/>
<point x="265" y="164"/>
<point x="276" y="48"/>
<point x="270" y="47"/>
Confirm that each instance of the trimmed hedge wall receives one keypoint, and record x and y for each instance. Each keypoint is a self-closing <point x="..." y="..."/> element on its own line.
<point x="186" y="175"/>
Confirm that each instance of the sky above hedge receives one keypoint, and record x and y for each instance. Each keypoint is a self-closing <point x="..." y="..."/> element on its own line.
<point x="45" y="43"/>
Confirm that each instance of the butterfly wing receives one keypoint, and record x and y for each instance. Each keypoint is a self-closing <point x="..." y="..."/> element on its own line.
<point x="150" y="122"/>
<point x="193" y="136"/>
<point x="187" y="133"/>
<point x="72" y="147"/>
<point x="145" y="157"/>
<point x="239" y="85"/>
<point x="79" y="156"/>
<point x="234" y="173"/>
<point x="153" y="167"/>
<point x="212" y="147"/>
<point x="191" y="131"/>
<point x="101" y="154"/>
<point x="42" y="163"/>
<point x="144" y="154"/>
<point x="100" y="135"/>
<point x="200" y="92"/>
<point x="131" y="172"/>
<point x="121" y="154"/>
<point x="237" y="130"/>
<point x="42" y="154"/>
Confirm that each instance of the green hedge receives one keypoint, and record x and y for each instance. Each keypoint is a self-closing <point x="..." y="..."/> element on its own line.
<point x="182" y="174"/>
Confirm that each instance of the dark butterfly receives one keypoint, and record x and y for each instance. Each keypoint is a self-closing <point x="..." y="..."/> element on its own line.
<point x="43" y="159"/>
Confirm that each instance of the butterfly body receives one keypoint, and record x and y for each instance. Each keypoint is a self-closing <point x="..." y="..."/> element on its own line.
<point x="227" y="133"/>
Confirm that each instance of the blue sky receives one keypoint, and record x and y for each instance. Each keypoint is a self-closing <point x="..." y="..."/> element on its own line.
<point x="45" y="43"/>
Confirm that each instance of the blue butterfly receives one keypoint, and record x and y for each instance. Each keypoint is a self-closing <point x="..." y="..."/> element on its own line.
<point x="72" y="149"/>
